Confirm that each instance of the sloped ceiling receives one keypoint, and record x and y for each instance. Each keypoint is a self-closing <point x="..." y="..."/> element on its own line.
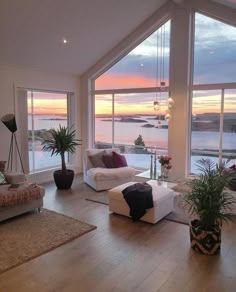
<point x="31" y="31"/>
<point x="230" y="3"/>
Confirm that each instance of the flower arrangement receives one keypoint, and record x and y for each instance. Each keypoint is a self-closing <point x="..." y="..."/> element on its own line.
<point x="165" y="160"/>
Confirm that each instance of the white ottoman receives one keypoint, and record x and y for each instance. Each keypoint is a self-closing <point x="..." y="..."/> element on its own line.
<point x="163" y="201"/>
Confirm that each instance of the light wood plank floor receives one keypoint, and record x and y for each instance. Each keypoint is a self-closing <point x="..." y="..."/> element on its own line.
<point x="121" y="255"/>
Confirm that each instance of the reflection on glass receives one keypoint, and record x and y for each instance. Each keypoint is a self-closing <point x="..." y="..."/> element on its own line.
<point x="45" y="111"/>
<point x="134" y="116"/>
<point x="134" y="120"/>
<point x="103" y="120"/>
<point x="205" y="135"/>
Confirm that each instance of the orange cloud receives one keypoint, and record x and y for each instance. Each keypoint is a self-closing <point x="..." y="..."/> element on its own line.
<point x="104" y="106"/>
<point x="49" y="107"/>
<point x="111" y="81"/>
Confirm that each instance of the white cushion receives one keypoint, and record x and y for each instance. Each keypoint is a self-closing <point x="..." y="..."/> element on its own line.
<point x="110" y="173"/>
<point x="14" y="177"/>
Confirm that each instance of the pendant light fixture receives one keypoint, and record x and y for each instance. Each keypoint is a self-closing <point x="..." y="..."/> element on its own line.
<point x="160" y="73"/>
<point x="171" y="102"/>
<point x="156" y="103"/>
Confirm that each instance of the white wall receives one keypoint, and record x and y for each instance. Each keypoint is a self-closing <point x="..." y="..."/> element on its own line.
<point x="11" y="77"/>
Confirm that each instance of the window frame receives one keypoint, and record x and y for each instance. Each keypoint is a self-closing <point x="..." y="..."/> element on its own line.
<point x="22" y="117"/>
<point x="208" y="86"/>
<point x="139" y="90"/>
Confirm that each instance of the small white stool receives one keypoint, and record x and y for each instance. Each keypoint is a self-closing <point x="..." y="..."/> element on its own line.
<point x="163" y="201"/>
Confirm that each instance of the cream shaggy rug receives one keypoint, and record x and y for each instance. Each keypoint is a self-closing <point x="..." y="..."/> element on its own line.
<point x="28" y="236"/>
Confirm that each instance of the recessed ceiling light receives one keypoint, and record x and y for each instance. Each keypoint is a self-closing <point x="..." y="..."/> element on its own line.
<point x="64" y="41"/>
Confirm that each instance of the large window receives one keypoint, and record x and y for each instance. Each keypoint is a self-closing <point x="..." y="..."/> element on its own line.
<point x="124" y="97"/>
<point x="214" y="51"/>
<point x="103" y="119"/>
<point x="205" y="137"/>
<point x="213" y="132"/>
<point x="45" y="111"/>
<point x="139" y="67"/>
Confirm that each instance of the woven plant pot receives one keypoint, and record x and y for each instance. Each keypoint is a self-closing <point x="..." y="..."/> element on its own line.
<point x="205" y="242"/>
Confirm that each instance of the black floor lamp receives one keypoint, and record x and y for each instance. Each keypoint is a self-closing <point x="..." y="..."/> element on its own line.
<point x="10" y="122"/>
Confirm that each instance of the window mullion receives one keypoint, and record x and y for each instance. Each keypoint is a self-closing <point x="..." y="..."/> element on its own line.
<point x="221" y="126"/>
<point x="113" y="119"/>
<point x="33" y="135"/>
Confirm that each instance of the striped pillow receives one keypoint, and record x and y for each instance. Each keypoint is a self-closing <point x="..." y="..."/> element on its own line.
<point x="2" y="179"/>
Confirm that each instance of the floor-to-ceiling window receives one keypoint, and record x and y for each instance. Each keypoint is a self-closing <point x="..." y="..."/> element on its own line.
<point x="213" y="133"/>
<point x="46" y="110"/>
<point x="124" y="98"/>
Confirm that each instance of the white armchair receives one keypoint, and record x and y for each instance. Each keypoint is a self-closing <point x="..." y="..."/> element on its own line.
<point x="102" y="178"/>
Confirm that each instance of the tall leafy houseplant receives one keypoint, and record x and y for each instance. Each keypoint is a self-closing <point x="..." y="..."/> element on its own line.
<point x="59" y="142"/>
<point x="211" y="204"/>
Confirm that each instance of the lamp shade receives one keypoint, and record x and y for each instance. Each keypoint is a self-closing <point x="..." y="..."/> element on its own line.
<point x="10" y="122"/>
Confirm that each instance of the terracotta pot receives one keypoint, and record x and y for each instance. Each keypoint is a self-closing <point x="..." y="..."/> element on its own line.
<point x="205" y="242"/>
<point x="63" y="180"/>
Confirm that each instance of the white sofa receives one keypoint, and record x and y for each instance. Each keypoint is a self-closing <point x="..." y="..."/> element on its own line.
<point x="101" y="178"/>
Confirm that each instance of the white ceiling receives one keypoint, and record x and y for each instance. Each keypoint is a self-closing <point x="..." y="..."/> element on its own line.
<point x="31" y="31"/>
<point x="230" y="3"/>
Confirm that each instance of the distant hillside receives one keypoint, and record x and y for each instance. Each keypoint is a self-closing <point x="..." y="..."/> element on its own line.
<point x="214" y="126"/>
<point x="131" y="120"/>
<point x="126" y="120"/>
<point x="213" y="116"/>
<point x="148" y="126"/>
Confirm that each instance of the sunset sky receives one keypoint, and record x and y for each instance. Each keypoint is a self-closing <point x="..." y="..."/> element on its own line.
<point x="214" y="59"/>
<point x="48" y="103"/>
<point x="215" y="47"/>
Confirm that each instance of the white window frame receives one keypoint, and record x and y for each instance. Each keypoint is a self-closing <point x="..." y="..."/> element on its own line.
<point x="198" y="87"/>
<point x="22" y="118"/>
<point x="112" y="92"/>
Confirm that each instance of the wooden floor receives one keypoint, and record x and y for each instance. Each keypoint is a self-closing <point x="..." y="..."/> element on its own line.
<point x="121" y="255"/>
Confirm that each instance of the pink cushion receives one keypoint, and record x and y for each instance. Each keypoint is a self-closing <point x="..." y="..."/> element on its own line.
<point x="119" y="160"/>
<point x="108" y="160"/>
<point x="114" y="160"/>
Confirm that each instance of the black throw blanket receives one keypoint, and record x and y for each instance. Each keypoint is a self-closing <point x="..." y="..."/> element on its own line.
<point x="139" y="198"/>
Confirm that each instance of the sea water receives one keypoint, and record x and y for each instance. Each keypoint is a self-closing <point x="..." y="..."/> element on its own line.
<point x="126" y="133"/>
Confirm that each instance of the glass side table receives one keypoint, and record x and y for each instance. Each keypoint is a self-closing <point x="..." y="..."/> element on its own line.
<point x="146" y="174"/>
<point x="160" y="182"/>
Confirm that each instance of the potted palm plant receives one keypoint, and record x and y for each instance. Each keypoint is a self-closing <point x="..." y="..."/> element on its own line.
<point x="61" y="141"/>
<point x="210" y="203"/>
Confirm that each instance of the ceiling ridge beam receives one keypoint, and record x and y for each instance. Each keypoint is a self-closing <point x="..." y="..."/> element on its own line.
<point x="212" y="9"/>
